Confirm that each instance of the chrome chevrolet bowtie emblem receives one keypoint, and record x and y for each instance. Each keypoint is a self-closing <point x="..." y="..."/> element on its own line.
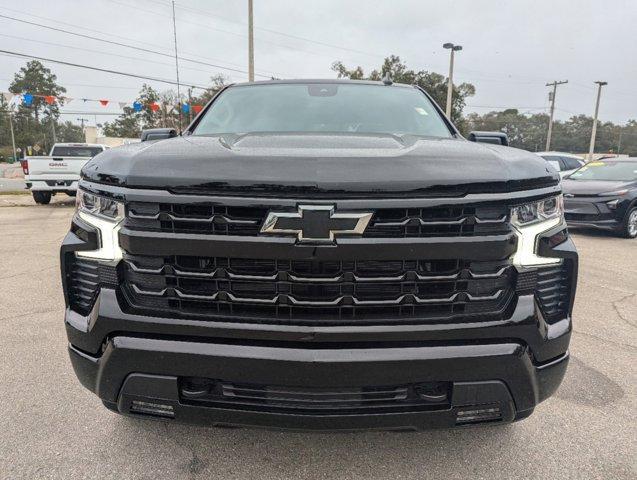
<point x="316" y="223"/>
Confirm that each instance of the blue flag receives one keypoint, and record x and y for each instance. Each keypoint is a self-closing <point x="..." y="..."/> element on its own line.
<point x="137" y="106"/>
<point x="27" y="99"/>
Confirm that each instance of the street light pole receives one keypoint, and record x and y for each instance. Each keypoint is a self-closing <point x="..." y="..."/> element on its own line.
<point x="453" y="48"/>
<point x="591" y="149"/>
<point x="250" y="43"/>
<point x="552" y="95"/>
<point x="15" y="155"/>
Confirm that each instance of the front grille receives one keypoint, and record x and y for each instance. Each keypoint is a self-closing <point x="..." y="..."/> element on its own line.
<point x="313" y="292"/>
<point x="314" y="401"/>
<point x="84" y="278"/>
<point x="215" y="219"/>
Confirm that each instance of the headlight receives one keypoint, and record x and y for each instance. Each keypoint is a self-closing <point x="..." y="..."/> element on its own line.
<point x="535" y="212"/>
<point x="106" y="215"/>
<point x="99" y="206"/>
<point x="531" y="220"/>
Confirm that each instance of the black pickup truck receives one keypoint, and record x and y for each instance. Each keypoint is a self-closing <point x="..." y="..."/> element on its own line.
<point x="320" y="255"/>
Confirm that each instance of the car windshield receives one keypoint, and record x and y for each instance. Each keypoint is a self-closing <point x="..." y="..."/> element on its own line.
<point x="78" y="151"/>
<point x="607" y="170"/>
<point x="322" y="107"/>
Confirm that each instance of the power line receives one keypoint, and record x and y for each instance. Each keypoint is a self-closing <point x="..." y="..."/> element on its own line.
<point x="105" y="70"/>
<point x="276" y="32"/>
<point x="120" y="44"/>
<point x="107" y="34"/>
<point x="137" y="59"/>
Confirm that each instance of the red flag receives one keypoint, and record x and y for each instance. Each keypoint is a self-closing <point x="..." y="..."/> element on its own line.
<point x="197" y="108"/>
<point x="50" y="99"/>
<point x="154" y="106"/>
<point x="104" y="102"/>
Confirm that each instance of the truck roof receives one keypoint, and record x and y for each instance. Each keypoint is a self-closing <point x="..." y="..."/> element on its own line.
<point x="322" y="80"/>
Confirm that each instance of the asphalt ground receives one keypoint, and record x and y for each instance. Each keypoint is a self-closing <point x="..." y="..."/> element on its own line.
<point x="51" y="427"/>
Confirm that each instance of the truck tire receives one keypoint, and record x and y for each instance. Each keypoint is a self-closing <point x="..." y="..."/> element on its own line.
<point x="71" y="193"/>
<point x="629" y="226"/>
<point x="43" y="198"/>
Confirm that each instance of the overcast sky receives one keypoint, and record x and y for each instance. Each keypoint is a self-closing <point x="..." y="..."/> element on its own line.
<point x="512" y="48"/>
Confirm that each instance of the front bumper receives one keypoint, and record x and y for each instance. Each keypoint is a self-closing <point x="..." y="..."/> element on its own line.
<point x="501" y="368"/>
<point x="595" y="212"/>
<point x="503" y="376"/>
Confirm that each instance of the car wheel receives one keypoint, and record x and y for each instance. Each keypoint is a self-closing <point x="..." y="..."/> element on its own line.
<point x="43" y="198"/>
<point x="629" y="227"/>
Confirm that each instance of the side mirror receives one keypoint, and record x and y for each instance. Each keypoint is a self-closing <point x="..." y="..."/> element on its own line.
<point x="495" y="138"/>
<point x="158" y="134"/>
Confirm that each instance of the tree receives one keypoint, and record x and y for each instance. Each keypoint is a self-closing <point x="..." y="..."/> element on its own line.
<point x="433" y="83"/>
<point x="38" y="80"/>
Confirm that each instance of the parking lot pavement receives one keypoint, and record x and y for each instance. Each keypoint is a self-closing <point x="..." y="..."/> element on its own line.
<point x="12" y="184"/>
<point x="50" y="427"/>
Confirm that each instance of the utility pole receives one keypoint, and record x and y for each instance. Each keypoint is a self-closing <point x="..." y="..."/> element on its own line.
<point x="250" y="42"/>
<point x="454" y="49"/>
<point x="591" y="149"/>
<point x="552" y="99"/>
<point x="177" y="65"/>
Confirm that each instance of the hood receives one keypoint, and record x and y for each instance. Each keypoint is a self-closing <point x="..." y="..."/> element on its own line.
<point x="294" y="164"/>
<point x="593" y="187"/>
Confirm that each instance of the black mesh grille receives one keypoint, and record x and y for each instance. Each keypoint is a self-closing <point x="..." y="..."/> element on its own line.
<point x="213" y="219"/>
<point x="312" y="292"/>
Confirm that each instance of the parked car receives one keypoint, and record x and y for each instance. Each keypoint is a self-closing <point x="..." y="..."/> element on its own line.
<point x="320" y="255"/>
<point x="603" y="194"/>
<point x="58" y="172"/>
<point x="564" y="163"/>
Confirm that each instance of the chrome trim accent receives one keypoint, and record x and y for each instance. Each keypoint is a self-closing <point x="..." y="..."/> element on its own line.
<point x="173" y="217"/>
<point x="488" y="275"/>
<point x="492" y="220"/>
<point x="421" y="221"/>
<point x="151" y="293"/>
<point x="335" y="302"/>
<point x="297" y="278"/>
<point x="212" y="219"/>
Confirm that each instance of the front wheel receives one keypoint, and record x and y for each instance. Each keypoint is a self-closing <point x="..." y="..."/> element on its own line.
<point x="42" y="198"/>
<point x="629" y="227"/>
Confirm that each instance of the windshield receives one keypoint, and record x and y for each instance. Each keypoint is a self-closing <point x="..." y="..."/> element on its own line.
<point x="76" y="151"/>
<point x="607" y="170"/>
<point x="335" y="108"/>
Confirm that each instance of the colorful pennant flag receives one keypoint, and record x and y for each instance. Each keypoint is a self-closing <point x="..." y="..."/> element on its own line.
<point x="197" y="108"/>
<point x="50" y="99"/>
<point x="104" y="102"/>
<point x="122" y="104"/>
<point x="137" y="106"/>
<point x="154" y="106"/>
<point x="185" y="108"/>
<point x="27" y="99"/>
